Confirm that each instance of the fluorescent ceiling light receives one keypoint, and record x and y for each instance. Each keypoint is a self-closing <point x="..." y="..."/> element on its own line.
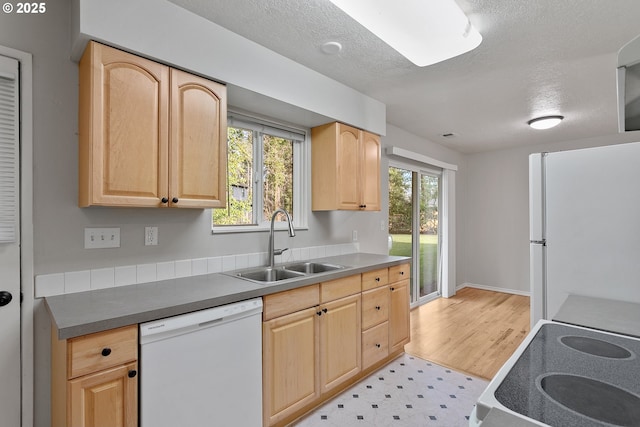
<point x="545" y="122"/>
<point x="424" y="31"/>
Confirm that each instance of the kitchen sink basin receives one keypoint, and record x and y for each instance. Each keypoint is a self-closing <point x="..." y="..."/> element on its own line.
<point x="312" y="267"/>
<point x="268" y="274"/>
<point x="284" y="272"/>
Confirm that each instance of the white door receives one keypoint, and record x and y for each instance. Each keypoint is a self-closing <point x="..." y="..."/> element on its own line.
<point x="9" y="244"/>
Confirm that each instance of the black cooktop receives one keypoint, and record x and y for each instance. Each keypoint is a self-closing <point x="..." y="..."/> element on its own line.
<point x="570" y="376"/>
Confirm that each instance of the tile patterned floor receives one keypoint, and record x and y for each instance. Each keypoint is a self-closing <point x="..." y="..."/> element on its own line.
<point x="407" y="392"/>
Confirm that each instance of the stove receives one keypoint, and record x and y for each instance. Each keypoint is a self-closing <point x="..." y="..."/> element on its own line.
<point x="565" y="375"/>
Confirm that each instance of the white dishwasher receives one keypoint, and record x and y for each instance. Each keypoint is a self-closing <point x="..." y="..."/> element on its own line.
<point x="203" y="368"/>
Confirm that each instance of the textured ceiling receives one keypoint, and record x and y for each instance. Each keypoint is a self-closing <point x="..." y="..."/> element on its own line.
<point x="537" y="58"/>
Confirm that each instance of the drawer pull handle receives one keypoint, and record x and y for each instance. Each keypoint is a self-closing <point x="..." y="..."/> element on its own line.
<point x="377" y="279"/>
<point x="377" y="307"/>
<point x="106" y="351"/>
<point x="393" y="289"/>
<point x="132" y="373"/>
<point x="402" y="273"/>
<point x="378" y="345"/>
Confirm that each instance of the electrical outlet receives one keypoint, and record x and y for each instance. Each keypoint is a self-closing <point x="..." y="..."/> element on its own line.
<point x="151" y="236"/>
<point x="383" y="225"/>
<point x="354" y="236"/>
<point x="98" y="238"/>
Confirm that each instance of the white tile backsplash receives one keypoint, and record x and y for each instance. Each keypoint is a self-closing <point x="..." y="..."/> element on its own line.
<point x="77" y="281"/>
<point x="49" y="284"/>
<point x="242" y="261"/>
<point x="228" y="263"/>
<point x="214" y="264"/>
<point x="125" y="275"/>
<point x="183" y="268"/>
<point x="199" y="266"/>
<point x="165" y="270"/>
<point x="100" y="278"/>
<point x="146" y="273"/>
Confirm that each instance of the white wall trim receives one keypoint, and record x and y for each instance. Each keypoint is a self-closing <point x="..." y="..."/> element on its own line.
<point x="406" y="154"/>
<point x="493" y="288"/>
<point x="26" y="229"/>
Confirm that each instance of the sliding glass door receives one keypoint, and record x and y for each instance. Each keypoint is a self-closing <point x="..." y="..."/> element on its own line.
<point x="414" y="226"/>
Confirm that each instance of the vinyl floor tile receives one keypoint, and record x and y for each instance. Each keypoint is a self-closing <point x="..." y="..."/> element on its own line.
<point x="407" y="392"/>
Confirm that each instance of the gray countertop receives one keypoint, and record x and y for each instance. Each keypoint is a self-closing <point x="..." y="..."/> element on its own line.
<point x="94" y="311"/>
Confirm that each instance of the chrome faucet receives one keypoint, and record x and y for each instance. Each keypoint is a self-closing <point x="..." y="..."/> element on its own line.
<point x="292" y="233"/>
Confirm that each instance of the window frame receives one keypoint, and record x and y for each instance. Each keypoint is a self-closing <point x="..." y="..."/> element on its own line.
<point x="301" y="172"/>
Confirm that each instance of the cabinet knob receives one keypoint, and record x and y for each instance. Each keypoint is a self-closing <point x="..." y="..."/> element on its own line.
<point x="324" y="310"/>
<point x="393" y="289"/>
<point x="106" y="351"/>
<point x="402" y="273"/>
<point x="363" y="206"/>
<point x="319" y="313"/>
<point x="377" y="279"/>
<point x="174" y="200"/>
<point x="378" y="345"/>
<point x="132" y="373"/>
<point x="377" y="307"/>
<point x="164" y="200"/>
<point x="5" y="298"/>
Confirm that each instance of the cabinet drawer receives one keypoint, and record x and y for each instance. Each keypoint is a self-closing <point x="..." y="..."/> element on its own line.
<point x="340" y="288"/>
<point x="287" y="302"/>
<point x="375" y="344"/>
<point x="94" y="352"/>
<point x="375" y="307"/>
<point x="399" y="272"/>
<point x="375" y="279"/>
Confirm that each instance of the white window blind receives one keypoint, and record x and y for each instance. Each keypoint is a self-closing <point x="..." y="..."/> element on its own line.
<point x="9" y="146"/>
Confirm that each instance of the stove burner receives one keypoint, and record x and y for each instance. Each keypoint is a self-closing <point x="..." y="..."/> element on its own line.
<point x="592" y="398"/>
<point x="595" y="347"/>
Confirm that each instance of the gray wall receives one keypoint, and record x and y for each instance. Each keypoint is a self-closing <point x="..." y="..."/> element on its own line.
<point x="496" y="222"/>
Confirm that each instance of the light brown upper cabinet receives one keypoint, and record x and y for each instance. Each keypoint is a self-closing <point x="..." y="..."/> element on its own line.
<point x="150" y="135"/>
<point x="345" y="168"/>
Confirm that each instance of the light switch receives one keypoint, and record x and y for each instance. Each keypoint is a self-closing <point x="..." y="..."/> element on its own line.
<point x="99" y="238"/>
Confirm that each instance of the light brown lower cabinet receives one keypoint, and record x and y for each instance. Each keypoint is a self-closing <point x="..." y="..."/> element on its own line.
<point x="94" y="379"/>
<point x="327" y="337"/>
<point x="290" y="364"/>
<point x="399" y="315"/>
<point x="340" y="357"/>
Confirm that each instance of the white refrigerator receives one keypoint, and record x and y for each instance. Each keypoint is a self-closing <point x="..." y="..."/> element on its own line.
<point x="584" y="226"/>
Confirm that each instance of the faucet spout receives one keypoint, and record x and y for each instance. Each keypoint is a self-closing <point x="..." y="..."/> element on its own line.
<point x="292" y="233"/>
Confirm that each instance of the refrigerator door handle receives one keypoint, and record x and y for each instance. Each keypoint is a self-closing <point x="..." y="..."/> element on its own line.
<point x="542" y="242"/>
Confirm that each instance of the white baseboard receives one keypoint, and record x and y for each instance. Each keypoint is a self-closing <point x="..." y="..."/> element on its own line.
<point x="493" y="288"/>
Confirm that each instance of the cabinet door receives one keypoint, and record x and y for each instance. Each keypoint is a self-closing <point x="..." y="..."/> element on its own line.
<point x="399" y="315"/>
<point x="198" y="159"/>
<point x="370" y="171"/>
<point x="340" y="341"/>
<point x="106" y="398"/>
<point x="290" y="368"/>
<point x="348" y="159"/>
<point x="123" y="129"/>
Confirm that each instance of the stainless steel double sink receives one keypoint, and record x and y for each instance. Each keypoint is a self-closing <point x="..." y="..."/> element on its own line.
<point x="295" y="270"/>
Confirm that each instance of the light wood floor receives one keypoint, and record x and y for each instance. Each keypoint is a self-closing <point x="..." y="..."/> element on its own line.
<point x="474" y="332"/>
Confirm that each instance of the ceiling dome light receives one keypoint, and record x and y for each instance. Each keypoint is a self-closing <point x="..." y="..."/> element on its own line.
<point x="545" y="122"/>
<point x="331" y="48"/>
